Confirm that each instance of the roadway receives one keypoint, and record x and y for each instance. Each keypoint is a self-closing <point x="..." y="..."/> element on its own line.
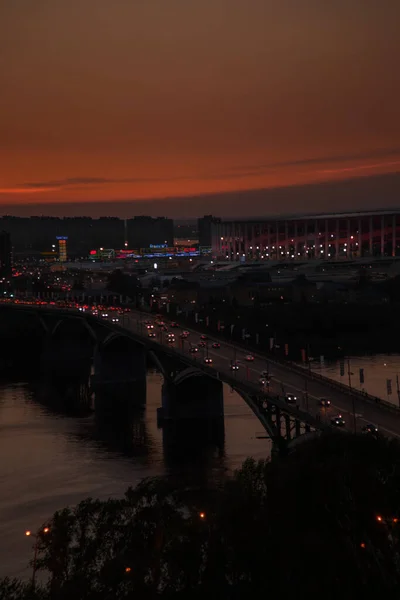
<point x="283" y="381"/>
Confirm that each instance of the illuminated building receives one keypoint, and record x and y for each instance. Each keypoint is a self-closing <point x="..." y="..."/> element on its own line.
<point x="321" y="237"/>
<point x="62" y="248"/>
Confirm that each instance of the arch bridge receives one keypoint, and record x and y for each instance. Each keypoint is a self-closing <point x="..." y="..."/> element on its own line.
<point x="69" y="338"/>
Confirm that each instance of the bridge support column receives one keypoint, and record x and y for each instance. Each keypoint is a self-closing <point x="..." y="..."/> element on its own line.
<point x="278" y="421"/>
<point x="63" y="358"/>
<point x="65" y="369"/>
<point x="119" y="379"/>
<point x="297" y="427"/>
<point x="193" y="396"/>
<point x="287" y="423"/>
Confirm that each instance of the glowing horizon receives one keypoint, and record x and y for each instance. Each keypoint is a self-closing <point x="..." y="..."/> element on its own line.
<point x="141" y="102"/>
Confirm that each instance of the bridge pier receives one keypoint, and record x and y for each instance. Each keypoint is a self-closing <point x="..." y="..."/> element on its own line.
<point x="287" y="424"/>
<point x="119" y="379"/>
<point x="192" y="395"/>
<point x="278" y="421"/>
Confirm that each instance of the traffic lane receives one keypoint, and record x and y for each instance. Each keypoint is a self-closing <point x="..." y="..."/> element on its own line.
<point x="291" y="382"/>
<point x="368" y="413"/>
<point x="248" y="371"/>
<point x="340" y="404"/>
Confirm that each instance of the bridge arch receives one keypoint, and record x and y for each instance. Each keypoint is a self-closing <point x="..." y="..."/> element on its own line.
<point x="192" y="394"/>
<point x="155" y="359"/>
<point x="120" y="341"/>
<point x="189" y="373"/>
<point x="73" y="328"/>
<point x="284" y="428"/>
<point x="119" y="357"/>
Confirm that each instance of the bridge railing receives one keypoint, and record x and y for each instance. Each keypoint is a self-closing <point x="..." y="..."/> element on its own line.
<point x="305" y="372"/>
<point x="227" y="377"/>
<point x="247" y="389"/>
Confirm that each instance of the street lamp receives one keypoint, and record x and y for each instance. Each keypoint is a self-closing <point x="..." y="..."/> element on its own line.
<point x="37" y="538"/>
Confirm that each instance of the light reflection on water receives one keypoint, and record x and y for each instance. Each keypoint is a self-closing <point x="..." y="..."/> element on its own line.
<point x="377" y="370"/>
<point x="50" y="460"/>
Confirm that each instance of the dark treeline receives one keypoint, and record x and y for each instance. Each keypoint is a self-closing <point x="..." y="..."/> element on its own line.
<point x="320" y="522"/>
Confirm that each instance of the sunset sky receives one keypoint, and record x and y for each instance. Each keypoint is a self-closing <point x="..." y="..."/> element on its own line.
<point x="121" y="102"/>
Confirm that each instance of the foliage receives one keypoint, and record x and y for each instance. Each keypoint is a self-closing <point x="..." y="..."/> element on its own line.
<point x="323" y="519"/>
<point x="12" y="589"/>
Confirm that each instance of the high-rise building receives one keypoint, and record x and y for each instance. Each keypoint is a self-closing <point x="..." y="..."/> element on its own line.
<point x="62" y="248"/>
<point x="37" y="234"/>
<point x="145" y="232"/>
<point x="5" y="255"/>
<point x="204" y="228"/>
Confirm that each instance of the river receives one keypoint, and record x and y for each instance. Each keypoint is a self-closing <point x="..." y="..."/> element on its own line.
<point x="50" y="460"/>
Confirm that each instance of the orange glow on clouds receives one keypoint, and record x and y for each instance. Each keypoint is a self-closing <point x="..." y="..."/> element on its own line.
<point x="103" y="101"/>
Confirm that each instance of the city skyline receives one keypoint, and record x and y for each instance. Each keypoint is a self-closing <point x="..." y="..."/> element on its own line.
<point x="189" y="108"/>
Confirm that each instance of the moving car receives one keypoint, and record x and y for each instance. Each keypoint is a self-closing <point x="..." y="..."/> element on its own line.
<point x="193" y="350"/>
<point x="183" y="336"/>
<point x="290" y="398"/>
<point x="115" y="320"/>
<point x="151" y="334"/>
<point x="216" y="345"/>
<point x="104" y="315"/>
<point x="370" y="429"/>
<point x="324" y="402"/>
<point x="249" y="358"/>
<point x="173" y="324"/>
<point x="202" y="344"/>
<point x="203" y="337"/>
<point x="208" y="360"/>
<point x="234" y="367"/>
<point x="186" y="333"/>
<point x="338" y="421"/>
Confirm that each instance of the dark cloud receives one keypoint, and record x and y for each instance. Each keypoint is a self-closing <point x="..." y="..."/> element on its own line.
<point x="315" y="161"/>
<point x="364" y="193"/>
<point x="237" y="172"/>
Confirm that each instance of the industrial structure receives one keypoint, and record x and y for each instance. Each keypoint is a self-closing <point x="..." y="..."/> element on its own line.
<point x="325" y="236"/>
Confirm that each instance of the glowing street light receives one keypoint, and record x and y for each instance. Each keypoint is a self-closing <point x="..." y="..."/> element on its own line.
<point x="29" y="533"/>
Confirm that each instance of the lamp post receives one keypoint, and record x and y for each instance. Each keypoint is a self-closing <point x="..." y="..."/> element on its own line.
<point x="353" y="401"/>
<point x="36" y="537"/>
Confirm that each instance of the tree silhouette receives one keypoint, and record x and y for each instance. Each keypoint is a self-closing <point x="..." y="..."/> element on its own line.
<point x="323" y="518"/>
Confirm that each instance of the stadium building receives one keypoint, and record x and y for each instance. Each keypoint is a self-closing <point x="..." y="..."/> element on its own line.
<point x="326" y="236"/>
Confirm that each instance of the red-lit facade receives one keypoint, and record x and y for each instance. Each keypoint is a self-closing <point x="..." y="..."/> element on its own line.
<point x="330" y="236"/>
